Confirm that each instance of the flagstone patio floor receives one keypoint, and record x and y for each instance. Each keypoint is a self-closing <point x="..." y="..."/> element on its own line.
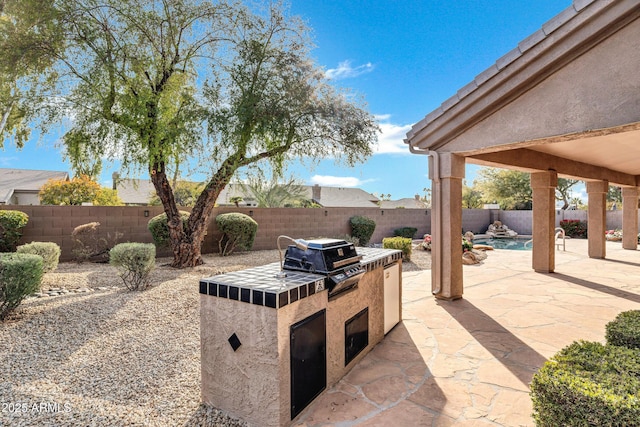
<point x="469" y="362"/>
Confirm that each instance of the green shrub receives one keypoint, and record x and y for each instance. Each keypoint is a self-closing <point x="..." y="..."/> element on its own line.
<point x="160" y="230"/>
<point x="20" y="276"/>
<point x="588" y="384"/>
<point x="11" y="225"/>
<point x="574" y="228"/>
<point x="49" y="251"/>
<point x="407" y="232"/>
<point x="624" y="330"/>
<point x="362" y="228"/>
<point x="402" y="243"/>
<point x="134" y="261"/>
<point x="466" y="245"/>
<point x="238" y="231"/>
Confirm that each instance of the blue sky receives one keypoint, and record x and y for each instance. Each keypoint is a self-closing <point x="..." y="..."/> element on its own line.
<point x="405" y="57"/>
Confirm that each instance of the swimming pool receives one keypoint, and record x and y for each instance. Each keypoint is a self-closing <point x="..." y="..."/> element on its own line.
<point x="516" y="244"/>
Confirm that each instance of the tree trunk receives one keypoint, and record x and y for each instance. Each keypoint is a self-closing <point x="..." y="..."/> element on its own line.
<point x="186" y="242"/>
<point x="187" y="253"/>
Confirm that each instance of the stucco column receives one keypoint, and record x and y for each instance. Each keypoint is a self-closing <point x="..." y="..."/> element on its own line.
<point x="544" y="186"/>
<point x="597" y="218"/>
<point x="630" y="218"/>
<point x="446" y="171"/>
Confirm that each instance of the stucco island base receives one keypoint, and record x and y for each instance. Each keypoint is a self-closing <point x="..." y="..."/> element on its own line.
<point x="253" y="382"/>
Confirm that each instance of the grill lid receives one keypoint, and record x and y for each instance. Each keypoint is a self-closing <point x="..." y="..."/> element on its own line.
<point x="325" y="243"/>
<point x="321" y="256"/>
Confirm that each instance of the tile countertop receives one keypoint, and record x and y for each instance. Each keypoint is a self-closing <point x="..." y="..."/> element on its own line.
<point x="260" y="286"/>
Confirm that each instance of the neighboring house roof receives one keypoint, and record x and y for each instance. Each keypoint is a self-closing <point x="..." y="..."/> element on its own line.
<point x="235" y="190"/>
<point x="407" y="203"/>
<point x="5" y="195"/>
<point x="335" y="197"/>
<point x="139" y="191"/>
<point x="25" y="180"/>
<point x="328" y="197"/>
<point x="134" y="191"/>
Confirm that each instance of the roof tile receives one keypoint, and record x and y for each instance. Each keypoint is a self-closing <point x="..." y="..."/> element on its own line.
<point x="578" y="5"/>
<point x="466" y="90"/>
<point x="432" y="116"/>
<point x="508" y="58"/>
<point x="559" y="20"/>
<point x="486" y="74"/>
<point x="450" y="102"/>
<point x="531" y="41"/>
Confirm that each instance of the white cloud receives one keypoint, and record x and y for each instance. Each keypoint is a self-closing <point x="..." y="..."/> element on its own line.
<point x="381" y="117"/>
<point x="8" y="162"/>
<point x="345" y="70"/>
<point x="337" y="181"/>
<point x="391" y="138"/>
<point x="580" y="191"/>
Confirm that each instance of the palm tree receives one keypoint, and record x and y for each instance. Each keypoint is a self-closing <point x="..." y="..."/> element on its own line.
<point x="236" y="200"/>
<point x="272" y="193"/>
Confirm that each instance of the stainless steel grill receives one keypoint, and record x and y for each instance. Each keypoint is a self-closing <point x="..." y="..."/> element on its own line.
<point x="337" y="259"/>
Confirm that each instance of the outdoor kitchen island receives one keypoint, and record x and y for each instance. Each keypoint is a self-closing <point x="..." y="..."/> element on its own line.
<point x="269" y="345"/>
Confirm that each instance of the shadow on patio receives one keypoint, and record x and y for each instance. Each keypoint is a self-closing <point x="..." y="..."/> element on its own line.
<point x="520" y="359"/>
<point x="392" y="385"/>
<point x="469" y="362"/>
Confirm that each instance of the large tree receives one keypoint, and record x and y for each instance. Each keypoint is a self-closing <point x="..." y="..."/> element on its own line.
<point x="471" y="196"/>
<point x="511" y="189"/>
<point x="155" y="83"/>
<point x="563" y="191"/>
<point x="29" y="39"/>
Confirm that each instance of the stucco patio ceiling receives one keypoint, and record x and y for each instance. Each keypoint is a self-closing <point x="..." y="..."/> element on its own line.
<point x="612" y="154"/>
<point x="566" y="99"/>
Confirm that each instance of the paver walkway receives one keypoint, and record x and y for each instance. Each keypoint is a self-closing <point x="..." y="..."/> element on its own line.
<point x="469" y="362"/>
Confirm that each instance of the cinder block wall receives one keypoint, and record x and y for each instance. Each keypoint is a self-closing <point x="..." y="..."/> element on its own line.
<point x="519" y="221"/>
<point x="323" y="222"/>
<point x="476" y="220"/>
<point x="55" y="223"/>
<point x="614" y="218"/>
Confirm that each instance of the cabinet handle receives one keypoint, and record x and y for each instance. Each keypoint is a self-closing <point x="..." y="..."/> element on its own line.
<point x="386" y="275"/>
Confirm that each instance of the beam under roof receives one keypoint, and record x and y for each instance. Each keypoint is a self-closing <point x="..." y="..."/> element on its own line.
<point x="530" y="160"/>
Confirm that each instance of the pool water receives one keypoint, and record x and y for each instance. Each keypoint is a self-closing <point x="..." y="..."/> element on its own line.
<point x="510" y="244"/>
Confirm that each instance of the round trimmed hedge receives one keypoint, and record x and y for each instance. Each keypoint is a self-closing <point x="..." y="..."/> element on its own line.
<point x="402" y="243"/>
<point x="20" y="276"/>
<point x="624" y="330"/>
<point x="238" y="231"/>
<point x="159" y="228"/>
<point x="362" y="228"/>
<point x="407" y="232"/>
<point x="588" y="384"/>
<point x="135" y="262"/>
<point x="11" y="225"/>
<point x="49" y="251"/>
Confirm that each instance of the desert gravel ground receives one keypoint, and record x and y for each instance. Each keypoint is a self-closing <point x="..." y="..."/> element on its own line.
<point x="113" y="357"/>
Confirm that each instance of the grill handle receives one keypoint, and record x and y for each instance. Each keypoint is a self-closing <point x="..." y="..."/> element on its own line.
<point x="347" y="261"/>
